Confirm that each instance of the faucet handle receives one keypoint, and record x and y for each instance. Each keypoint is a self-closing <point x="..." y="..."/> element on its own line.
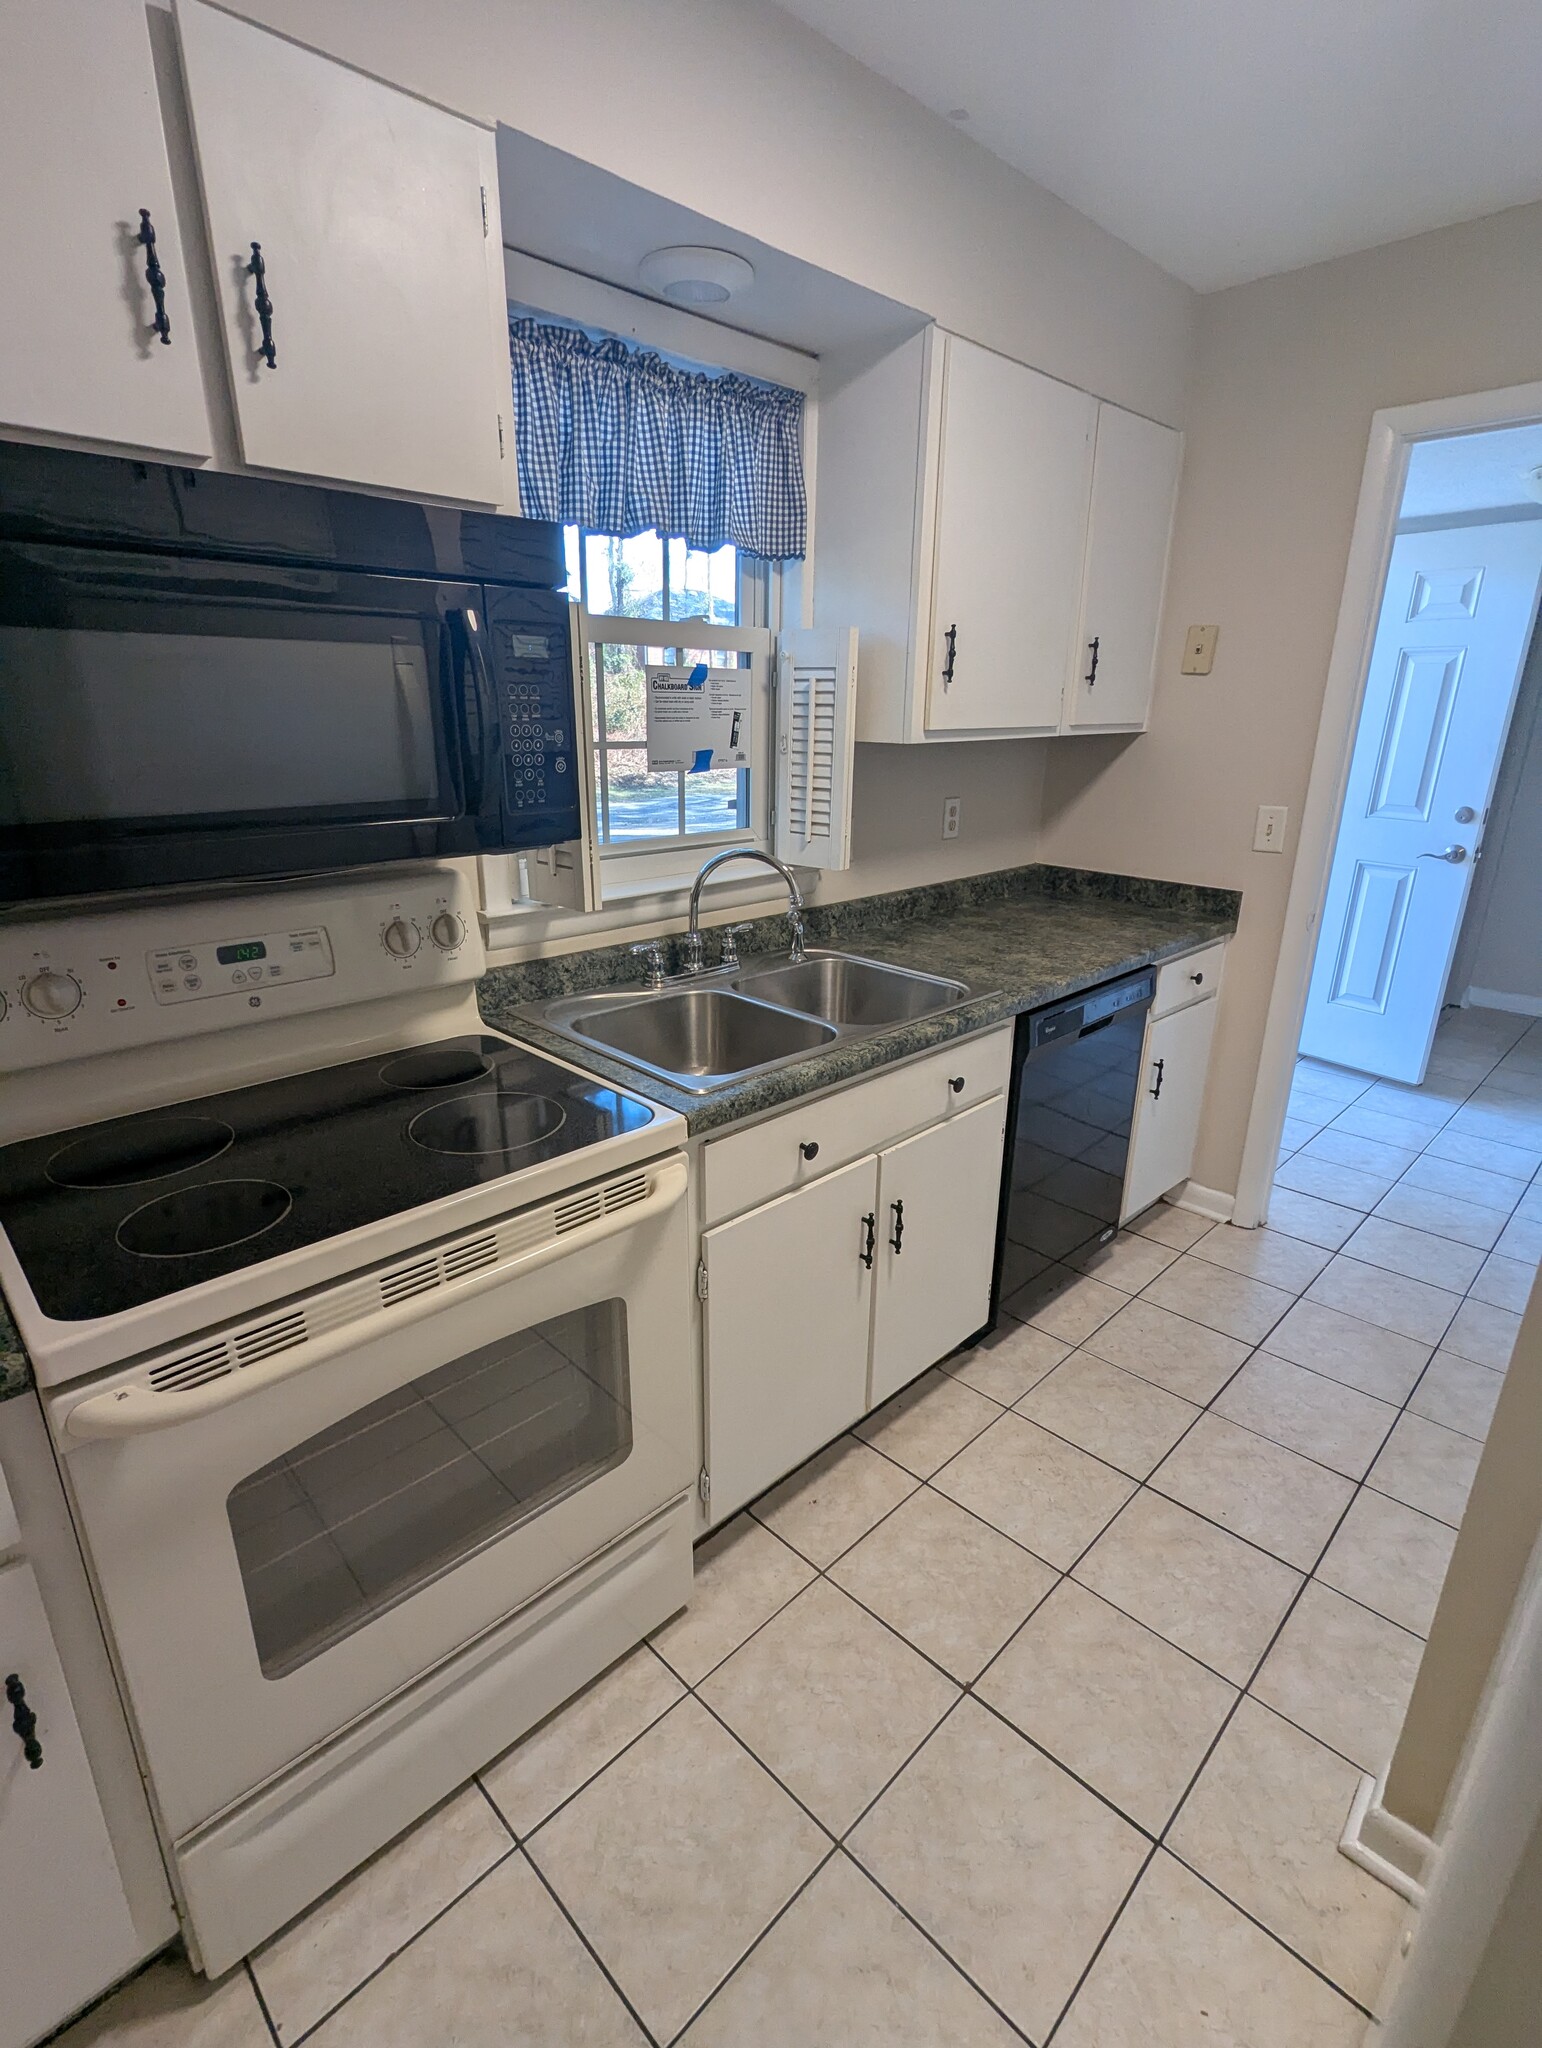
<point x="651" y="952"/>
<point x="730" y="937"/>
<point x="795" y="952"/>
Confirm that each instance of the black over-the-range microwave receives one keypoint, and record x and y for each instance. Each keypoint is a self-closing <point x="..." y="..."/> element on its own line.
<point x="208" y="677"/>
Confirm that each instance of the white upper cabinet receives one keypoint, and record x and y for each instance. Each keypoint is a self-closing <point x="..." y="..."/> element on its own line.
<point x="81" y="153"/>
<point x="1134" y="483"/>
<point x="967" y="528"/>
<point x="377" y="220"/>
<point x="1013" y="472"/>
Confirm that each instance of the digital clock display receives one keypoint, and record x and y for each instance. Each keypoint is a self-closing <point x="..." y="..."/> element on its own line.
<point x="233" y="956"/>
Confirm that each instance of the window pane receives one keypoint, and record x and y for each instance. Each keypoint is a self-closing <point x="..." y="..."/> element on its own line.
<point x="643" y="805"/>
<point x="626" y="577"/>
<point x="715" y="801"/>
<point x="703" y="586"/>
<point x="625" y="715"/>
<point x="352" y="1520"/>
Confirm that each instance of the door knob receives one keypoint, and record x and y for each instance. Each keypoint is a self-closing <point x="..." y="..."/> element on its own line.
<point x="1455" y="854"/>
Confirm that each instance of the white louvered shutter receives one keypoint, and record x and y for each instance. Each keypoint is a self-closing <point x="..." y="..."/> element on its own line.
<point x="816" y="729"/>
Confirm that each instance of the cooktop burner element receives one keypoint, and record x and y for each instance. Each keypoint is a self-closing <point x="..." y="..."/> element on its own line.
<point x="247" y="1176"/>
<point x="149" y="1148"/>
<point x="507" y="1120"/>
<point x="436" y="1066"/>
<point x="208" y="1217"/>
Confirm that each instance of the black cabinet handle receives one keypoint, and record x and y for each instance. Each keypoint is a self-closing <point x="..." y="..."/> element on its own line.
<point x="1156" y="1091"/>
<point x="951" y="636"/>
<point x="897" y="1211"/>
<point x="869" y="1238"/>
<point x="155" y="277"/>
<point x="24" y="1721"/>
<point x="1092" y="674"/>
<point x="258" y="270"/>
<point x="809" y="1148"/>
<point x="1196" y="979"/>
<point x="957" y="1084"/>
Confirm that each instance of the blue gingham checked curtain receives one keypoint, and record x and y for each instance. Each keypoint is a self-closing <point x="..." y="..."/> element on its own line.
<point x="620" y="441"/>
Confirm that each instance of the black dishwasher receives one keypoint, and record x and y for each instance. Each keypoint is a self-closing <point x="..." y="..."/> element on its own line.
<point x="1075" y="1071"/>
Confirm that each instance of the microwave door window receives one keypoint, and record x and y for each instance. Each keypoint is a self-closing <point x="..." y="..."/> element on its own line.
<point x="125" y="726"/>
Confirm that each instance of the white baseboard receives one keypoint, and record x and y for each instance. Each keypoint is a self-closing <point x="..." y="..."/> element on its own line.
<point x="1500" y="999"/>
<point x="1386" y="1847"/>
<point x="1209" y="1202"/>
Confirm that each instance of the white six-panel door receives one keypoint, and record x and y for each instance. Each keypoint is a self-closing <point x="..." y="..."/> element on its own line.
<point x="81" y="151"/>
<point x="377" y="217"/>
<point x="1455" y="623"/>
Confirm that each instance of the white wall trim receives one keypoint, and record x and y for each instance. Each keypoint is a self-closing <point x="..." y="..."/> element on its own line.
<point x="1500" y="999"/>
<point x="1381" y="490"/>
<point x="1211" y="1202"/>
<point x="1387" y="1848"/>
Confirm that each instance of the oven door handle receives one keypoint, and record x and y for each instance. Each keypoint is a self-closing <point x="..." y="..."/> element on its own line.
<point x="135" y="1410"/>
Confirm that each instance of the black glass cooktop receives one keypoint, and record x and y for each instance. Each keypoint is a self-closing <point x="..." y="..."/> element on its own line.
<point x="107" y="1218"/>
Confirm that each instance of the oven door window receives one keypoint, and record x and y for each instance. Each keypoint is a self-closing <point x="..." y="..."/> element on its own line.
<point x="139" y="694"/>
<point x="354" y="1519"/>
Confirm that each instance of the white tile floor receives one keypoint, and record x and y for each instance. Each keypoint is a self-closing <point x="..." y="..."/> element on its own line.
<point x="1032" y="1711"/>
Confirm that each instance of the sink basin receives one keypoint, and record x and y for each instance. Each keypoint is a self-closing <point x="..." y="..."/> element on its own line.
<point x="858" y="994"/>
<point x="700" y="1037"/>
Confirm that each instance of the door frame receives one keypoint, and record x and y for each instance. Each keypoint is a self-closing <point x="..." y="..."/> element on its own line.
<point x="1393" y="431"/>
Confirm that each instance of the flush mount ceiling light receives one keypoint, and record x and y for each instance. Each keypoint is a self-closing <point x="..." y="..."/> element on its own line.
<point x="1531" y="482"/>
<point x="696" y="277"/>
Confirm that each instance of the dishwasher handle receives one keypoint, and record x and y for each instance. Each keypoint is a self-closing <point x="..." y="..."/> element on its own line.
<point x="135" y="1410"/>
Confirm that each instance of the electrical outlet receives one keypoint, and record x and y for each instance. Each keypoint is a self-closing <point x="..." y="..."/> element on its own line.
<point x="1199" y="650"/>
<point x="952" y="816"/>
<point x="1269" y="832"/>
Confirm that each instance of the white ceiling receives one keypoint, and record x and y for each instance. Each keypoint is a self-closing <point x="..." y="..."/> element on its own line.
<point x="1230" y="139"/>
<point x="1473" y="473"/>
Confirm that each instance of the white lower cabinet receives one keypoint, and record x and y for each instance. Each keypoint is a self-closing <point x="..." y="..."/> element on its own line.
<point x="827" y="1299"/>
<point x="1172" y="1089"/>
<point x="788" y="1310"/>
<point x="938" y="1194"/>
<point x="65" y="1928"/>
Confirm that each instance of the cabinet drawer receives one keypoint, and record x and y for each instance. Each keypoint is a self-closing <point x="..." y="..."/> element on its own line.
<point x="814" y="1137"/>
<point x="1189" y="979"/>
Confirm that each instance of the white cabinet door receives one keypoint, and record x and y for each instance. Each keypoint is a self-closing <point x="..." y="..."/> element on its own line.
<point x="938" y="1195"/>
<point x="81" y="151"/>
<point x="1172" y="1092"/>
<point x="378" y="224"/>
<point x="1011" y="525"/>
<point x="1134" y="481"/>
<point x="65" y="1932"/>
<point x="789" y="1301"/>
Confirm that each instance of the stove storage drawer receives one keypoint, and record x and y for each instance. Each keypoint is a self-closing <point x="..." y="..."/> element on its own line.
<point x="814" y="1138"/>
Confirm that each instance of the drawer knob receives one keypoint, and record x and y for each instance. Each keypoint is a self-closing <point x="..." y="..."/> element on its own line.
<point x="1197" y="978"/>
<point x="809" y="1149"/>
<point x="957" y="1084"/>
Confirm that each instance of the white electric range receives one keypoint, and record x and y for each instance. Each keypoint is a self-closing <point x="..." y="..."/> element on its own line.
<point x="363" y="1338"/>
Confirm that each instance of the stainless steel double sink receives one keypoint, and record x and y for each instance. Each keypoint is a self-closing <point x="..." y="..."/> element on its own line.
<point x="723" y="1026"/>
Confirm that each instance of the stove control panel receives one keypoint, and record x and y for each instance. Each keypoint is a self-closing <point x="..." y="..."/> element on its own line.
<point x="73" y="987"/>
<point x="238" y="966"/>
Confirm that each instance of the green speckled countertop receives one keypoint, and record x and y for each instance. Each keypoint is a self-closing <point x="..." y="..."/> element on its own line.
<point x="15" y="1367"/>
<point x="1020" y="938"/>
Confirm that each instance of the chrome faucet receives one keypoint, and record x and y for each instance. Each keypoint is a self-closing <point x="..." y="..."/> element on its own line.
<point x="691" y="944"/>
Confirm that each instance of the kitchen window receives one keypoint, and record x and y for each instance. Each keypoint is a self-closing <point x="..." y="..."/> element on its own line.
<point x="727" y="596"/>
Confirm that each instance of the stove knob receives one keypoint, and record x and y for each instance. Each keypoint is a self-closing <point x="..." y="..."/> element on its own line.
<point x="447" y="931"/>
<point x="401" y="938"/>
<point x="52" y="994"/>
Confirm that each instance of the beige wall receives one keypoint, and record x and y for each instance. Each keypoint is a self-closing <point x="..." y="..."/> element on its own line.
<point x="1288" y="373"/>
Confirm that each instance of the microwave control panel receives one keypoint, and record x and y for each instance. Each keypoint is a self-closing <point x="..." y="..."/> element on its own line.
<point x="72" y="987"/>
<point x="533" y="653"/>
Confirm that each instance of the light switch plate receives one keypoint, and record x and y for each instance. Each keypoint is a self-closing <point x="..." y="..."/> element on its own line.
<point x="1269" y="832"/>
<point x="1199" y="650"/>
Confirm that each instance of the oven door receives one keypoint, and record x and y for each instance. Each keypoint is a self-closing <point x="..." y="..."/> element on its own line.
<point x="301" y="1540"/>
<point x="176" y="719"/>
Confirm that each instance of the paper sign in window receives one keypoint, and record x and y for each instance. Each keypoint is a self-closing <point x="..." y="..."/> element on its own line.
<point x="698" y="718"/>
